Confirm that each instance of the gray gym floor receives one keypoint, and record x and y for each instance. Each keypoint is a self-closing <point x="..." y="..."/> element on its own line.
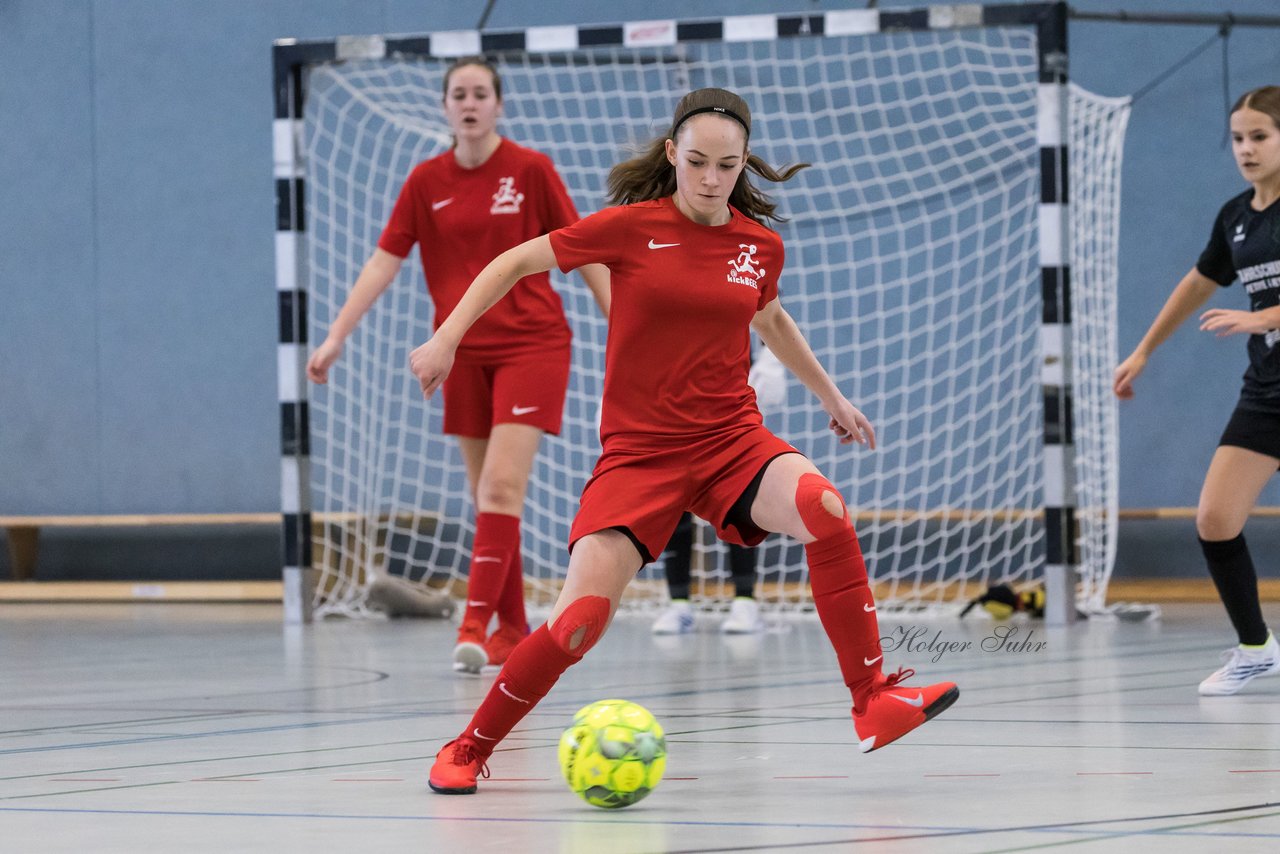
<point x="127" y="728"/>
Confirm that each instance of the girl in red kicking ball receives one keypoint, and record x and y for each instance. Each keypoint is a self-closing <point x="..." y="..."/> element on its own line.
<point x="693" y="269"/>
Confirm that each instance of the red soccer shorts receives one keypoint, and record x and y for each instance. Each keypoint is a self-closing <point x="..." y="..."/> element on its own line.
<point x="526" y="389"/>
<point x="646" y="491"/>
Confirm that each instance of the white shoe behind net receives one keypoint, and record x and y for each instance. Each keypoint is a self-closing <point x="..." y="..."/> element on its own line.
<point x="743" y="619"/>
<point x="677" y="619"/>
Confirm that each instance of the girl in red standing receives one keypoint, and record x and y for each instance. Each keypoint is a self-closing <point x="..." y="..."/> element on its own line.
<point x="693" y="270"/>
<point x="464" y="207"/>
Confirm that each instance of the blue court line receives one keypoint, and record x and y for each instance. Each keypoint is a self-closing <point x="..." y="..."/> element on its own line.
<point x="613" y="819"/>
<point x="783" y="715"/>
<point x="233" y="758"/>
<point x="920" y="831"/>
<point x="213" y="733"/>
<point x="642" y="697"/>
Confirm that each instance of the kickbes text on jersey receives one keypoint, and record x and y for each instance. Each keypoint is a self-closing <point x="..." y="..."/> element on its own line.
<point x="743" y="268"/>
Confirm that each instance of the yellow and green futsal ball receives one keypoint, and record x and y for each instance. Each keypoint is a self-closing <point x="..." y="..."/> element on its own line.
<point x="613" y="754"/>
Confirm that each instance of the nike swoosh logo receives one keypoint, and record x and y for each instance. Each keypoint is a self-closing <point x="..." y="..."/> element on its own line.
<point x="869" y="608"/>
<point x="502" y="686"/>
<point x="435" y="206"/>
<point x="917" y="702"/>
<point x="870" y="661"/>
<point x="477" y="734"/>
<point x="653" y="245"/>
<point x="523" y="410"/>
<point x="486" y="560"/>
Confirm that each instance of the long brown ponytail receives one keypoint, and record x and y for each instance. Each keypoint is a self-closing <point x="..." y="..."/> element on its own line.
<point x="649" y="175"/>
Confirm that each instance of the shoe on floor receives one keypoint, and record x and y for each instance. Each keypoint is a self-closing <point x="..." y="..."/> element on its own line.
<point x="677" y="619"/>
<point x="892" y="710"/>
<point x="744" y="617"/>
<point x="1240" y="666"/>
<point x="469" y="655"/>
<point x="499" y="645"/>
<point x="456" y="767"/>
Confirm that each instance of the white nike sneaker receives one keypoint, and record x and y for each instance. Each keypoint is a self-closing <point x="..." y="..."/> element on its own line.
<point x="469" y="655"/>
<point x="1240" y="666"/>
<point x="677" y="619"/>
<point x="744" y="618"/>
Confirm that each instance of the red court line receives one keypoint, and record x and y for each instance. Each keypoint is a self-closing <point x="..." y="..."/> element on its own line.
<point x="227" y="780"/>
<point x="1114" y="773"/>
<point x="518" y="779"/>
<point x="816" y="777"/>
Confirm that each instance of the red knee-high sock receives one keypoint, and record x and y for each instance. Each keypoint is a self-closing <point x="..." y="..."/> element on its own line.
<point x="842" y="595"/>
<point x="511" y="601"/>
<point x="497" y="539"/>
<point x="534" y="666"/>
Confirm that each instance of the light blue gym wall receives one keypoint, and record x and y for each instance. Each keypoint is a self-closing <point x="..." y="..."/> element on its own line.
<point x="1178" y="171"/>
<point x="137" y="311"/>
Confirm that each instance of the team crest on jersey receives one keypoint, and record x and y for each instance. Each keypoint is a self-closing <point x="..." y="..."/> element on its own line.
<point x="507" y="200"/>
<point x="744" y="268"/>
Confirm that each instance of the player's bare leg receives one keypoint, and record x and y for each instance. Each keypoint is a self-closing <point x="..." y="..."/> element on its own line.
<point x="795" y="499"/>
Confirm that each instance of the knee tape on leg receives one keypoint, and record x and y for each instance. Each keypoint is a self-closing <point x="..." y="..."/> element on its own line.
<point x="818" y="512"/>
<point x="580" y="625"/>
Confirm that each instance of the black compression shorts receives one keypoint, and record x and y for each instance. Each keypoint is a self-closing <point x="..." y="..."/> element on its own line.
<point x="1254" y="431"/>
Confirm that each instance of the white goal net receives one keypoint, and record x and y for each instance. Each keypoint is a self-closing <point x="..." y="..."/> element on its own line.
<point x="1096" y="141"/>
<point x="912" y="267"/>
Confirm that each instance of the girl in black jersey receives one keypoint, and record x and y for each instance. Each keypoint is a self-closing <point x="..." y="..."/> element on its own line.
<point x="1244" y="244"/>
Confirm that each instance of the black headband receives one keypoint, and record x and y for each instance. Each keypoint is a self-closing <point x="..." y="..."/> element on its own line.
<point x="721" y="110"/>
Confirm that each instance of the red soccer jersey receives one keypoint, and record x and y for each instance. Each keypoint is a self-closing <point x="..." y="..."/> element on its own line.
<point x="684" y="296"/>
<point x="462" y="219"/>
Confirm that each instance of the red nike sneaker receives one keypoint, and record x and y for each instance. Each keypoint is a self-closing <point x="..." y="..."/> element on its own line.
<point x="893" y="710"/>
<point x="499" y="645"/>
<point x="457" y="765"/>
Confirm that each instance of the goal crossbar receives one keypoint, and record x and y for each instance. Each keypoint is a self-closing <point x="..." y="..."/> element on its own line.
<point x="1047" y="528"/>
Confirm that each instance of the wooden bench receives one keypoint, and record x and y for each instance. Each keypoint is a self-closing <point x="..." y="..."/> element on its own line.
<point x="24" y="531"/>
<point x="1148" y="513"/>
